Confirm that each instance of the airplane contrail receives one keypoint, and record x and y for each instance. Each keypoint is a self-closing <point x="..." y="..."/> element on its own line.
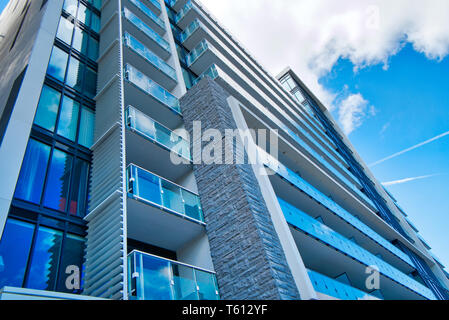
<point x="409" y="149"/>
<point x="392" y="183"/>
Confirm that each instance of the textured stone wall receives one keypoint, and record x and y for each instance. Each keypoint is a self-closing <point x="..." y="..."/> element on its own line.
<point x="246" y="251"/>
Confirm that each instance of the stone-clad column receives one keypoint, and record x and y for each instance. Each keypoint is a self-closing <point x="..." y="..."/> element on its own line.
<point x="245" y="248"/>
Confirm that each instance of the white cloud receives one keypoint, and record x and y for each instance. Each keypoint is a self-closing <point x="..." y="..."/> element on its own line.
<point x="311" y="35"/>
<point x="352" y="111"/>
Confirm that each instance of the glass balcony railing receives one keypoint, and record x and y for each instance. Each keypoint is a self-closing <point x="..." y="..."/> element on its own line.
<point x="139" y="24"/>
<point x="156" y="4"/>
<point x="316" y="229"/>
<point x="189" y="30"/>
<point x="159" y="192"/>
<point x="212" y="72"/>
<point x="154" y="278"/>
<point x="197" y="52"/>
<point x="183" y="11"/>
<point x="337" y="289"/>
<point x="151" y="129"/>
<point x="332" y="206"/>
<point x="148" y="55"/>
<point x="150" y="87"/>
<point x="147" y="11"/>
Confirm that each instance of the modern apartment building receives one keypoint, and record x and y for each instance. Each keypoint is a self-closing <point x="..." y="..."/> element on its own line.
<point x="102" y="194"/>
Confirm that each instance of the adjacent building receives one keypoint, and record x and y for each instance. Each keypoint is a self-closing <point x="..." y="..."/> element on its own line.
<point x="105" y="191"/>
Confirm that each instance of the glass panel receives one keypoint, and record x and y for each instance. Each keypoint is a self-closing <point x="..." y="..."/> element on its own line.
<point x="93" y="49"/>
<point x="32" y="175"/>
<point x="58" y="63"/>
<point x="171" y="197"/>
<point x="156" y="278"/>
<point x="148" y="12"/>
<point x="78" y="197"/>
<point x="80" y="40"/>
<point x="70" y="6"/>
<point x="192" y="205"/>
<point x="148" y="187"/>
<point x="84" y="14"/>
<point x="184" y="287"/>
<point x="95" y="23"/>
<point x="68" y="118"/>
<point x="90" y="85"/>
<point x="87" y="123"/>
<point x="58" y="181"/>
<point x="206" y="285"/>
<point x="65" y="30"/>
<point x="45" y="259"/>
<point x="47" y="110"/>
<point x="14" y="251"/>
<point x="75" y="74"/>
<point x="73" y="255"/>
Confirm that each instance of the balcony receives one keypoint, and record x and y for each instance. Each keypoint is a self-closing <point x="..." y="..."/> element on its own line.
<point x="154" y="21"/>
<point x="330" y="206"/>
<point x="177" y="4"/>
<point x="155" y="6"/>
<point x="201" y="57"/>
<point x="323" y="248"/>
<point x="157" y="133"/>
<point x="211" y="72"/>
<point x="147" y="139"/>
<point x="155" y="278"/>
<point x="333" y="288"/>
<point x="160" y="71"/>
<point x="153" y="100"/>
<point x="187" y="14"/>
<point x="152" y="39"/>
<point x="193" y="34"/>
<point x="160" y="212"/>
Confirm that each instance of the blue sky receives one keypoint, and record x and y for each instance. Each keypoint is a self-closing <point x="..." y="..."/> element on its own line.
<point x="3" y="4"/>
<point x="411" y="99"/>
<point x="382" y="69"/>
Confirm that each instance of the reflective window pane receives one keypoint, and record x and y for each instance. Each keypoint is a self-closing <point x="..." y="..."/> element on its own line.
<point x="65" y="30"/>
<point x="90" y="86"/>
<point x="14" y="250"/>
<point x="68" y="118"/>
<point x="84" y="14"/>
<point x="47" y="109"/>
<point x="78" y="197"/>
<point x="45" y="259"/>
<point x="70" y="6"/>
<point x="72" y="256"/>
<point x="148" y="187"/>
<point x="58" y="63"/>
<point x="95" y="23"/>
<point x="87" y="123"/>
<point x="207" y="285"/>
<point x="93" y="49"/>
<point x="156" y="279"/>
<point x="32" y="174"/>
<point x="184" y="286"/>
<point x="80" y="40"/>
<point x="75" y="74"/>
<point x="58" y="181"/>
<point x="172" y="197"/>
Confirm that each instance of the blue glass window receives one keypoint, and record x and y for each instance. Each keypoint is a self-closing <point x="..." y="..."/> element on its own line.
<point x="58" y="182"/>
<point x="32" y="174"/>
<point x="65" y="30"/>
<point x="87" y="123"/>
<point x="47" y="110"/>
<point x="68" y="119"/>
<point x="45" y="259"/>
<point x="78" y="197"/>
<point x="70" y="6"/>
<point x="72" y="256"/>
<point x="75" y="74"/>
<point x="14" y="250"/>
<point x="58" y="63"/>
